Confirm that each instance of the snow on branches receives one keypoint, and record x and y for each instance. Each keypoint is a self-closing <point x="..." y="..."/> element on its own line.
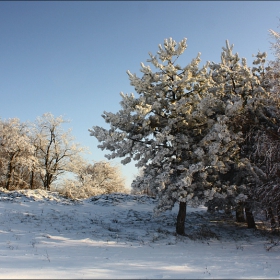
<point x="183" y="125"/>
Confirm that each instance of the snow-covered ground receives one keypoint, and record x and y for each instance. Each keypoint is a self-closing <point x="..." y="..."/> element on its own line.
<point x="116" y="236"/>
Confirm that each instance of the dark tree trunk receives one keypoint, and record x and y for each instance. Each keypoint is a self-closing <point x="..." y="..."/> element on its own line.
<point x="240" y="218"/>
<point x="272" y="219"/>
<point x="278" y="215"/>
<point x="31" y="180"/>
<point x="47" y="181"/>
<point x="249" y="217"/>
<point x="9" y="176"/>
<point x="180" y="226"/>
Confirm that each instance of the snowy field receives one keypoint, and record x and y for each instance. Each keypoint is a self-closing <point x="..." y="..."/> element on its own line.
<point x="116" y="236"/>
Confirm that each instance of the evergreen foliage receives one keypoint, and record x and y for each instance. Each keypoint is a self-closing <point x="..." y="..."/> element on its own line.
<point x="188" y="127"/>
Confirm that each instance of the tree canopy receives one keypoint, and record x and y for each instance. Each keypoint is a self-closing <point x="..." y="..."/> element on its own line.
<point x="187" y="125"/>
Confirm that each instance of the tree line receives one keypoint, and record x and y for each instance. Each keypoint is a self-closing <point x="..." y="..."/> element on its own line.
<point x="38" y="156"/>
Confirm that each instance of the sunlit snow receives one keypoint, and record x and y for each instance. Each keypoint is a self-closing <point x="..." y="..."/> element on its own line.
<point x="43" y="235"/>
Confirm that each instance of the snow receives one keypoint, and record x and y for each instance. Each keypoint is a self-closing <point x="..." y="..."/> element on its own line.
<point x="43" y="235"/>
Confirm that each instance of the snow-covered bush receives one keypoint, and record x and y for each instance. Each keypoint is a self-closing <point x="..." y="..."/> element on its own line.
<point x="94" y="179"/>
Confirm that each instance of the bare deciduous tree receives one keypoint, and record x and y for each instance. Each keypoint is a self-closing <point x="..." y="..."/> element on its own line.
<point x="55" y="148"/>
<point x="16" y="154"/>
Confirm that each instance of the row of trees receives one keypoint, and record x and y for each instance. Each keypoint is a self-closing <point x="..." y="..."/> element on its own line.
<point x="202" y="135"/>
<point x="37" y="155"/>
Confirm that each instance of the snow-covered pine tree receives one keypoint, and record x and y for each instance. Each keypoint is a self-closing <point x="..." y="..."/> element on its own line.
<point x="251" y="108"/>
<point x="267" y="142"/>
<point x="176" y="128"/>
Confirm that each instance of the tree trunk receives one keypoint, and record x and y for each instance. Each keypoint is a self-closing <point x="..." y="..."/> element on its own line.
<point x="47" y="181"/>
<point x="278" y="215"/>
<point x="249" y="217"/>
<point x="272" y="219"/>
<point x="31" y="180"/>
<point x="9" y="176"/>
<point x="240" y="218"/>
<point x="180" y="226"/>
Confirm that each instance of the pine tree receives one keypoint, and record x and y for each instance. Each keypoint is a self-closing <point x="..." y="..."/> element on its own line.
<point x="266" y="143"/>
<point x="176" y="129"/>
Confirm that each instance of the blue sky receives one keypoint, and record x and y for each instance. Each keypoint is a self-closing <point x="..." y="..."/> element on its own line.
<point x="70" y="58"/>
